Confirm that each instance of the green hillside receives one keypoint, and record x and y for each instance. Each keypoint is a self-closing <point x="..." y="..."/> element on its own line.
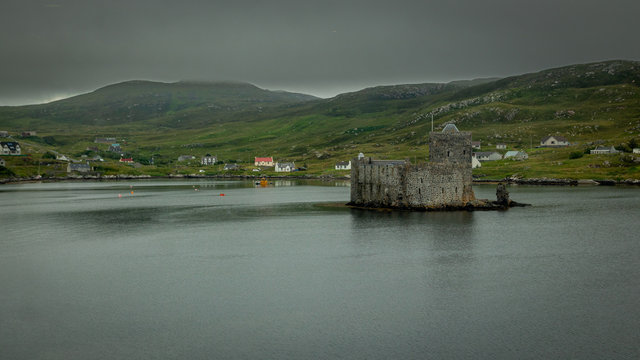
<point x="589" y="104"/>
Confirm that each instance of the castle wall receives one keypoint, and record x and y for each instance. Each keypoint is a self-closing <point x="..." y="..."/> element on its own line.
<point x="450" y="147"/>
<point x="444" y="181"/>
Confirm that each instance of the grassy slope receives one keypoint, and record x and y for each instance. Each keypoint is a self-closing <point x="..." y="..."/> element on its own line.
<point x="588" y="104"/>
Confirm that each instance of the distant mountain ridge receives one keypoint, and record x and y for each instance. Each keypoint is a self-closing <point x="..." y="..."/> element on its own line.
<point x="139" y="100"/>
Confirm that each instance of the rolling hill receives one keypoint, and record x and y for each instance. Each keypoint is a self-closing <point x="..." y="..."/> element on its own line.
<point x="597" y="103"/>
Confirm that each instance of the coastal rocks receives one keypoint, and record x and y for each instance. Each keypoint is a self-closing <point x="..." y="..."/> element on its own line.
<point x="532" y="181"/>
<point x="587" y="182"/>
<point x="502" y="195"/>
<point x="550" y="181"/>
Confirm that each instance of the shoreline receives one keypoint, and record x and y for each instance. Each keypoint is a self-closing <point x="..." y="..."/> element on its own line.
<point x="512" y="181"/>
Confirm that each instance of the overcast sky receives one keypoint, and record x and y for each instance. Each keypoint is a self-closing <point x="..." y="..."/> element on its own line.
<point x="51" y="49"/>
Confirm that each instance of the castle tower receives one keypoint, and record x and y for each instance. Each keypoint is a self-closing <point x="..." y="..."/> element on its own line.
<point x="450" y="146"/>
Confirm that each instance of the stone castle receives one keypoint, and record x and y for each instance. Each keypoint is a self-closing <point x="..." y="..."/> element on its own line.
<point x="442" y="183"/>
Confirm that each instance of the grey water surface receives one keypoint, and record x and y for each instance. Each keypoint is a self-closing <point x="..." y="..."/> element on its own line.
<point x="174" y="270"/>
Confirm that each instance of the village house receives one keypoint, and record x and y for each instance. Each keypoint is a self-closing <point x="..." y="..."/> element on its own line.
<point x="263" y="161"/>
<point x="487" y="156"/>
<point x="2" y="162"/>
<point x="108" y="140"/>
<point x="79" y="167"/>
<point x="126" y="160"/>
<point x="343" y="165"/>
<point x="186" y="157"/>
<point x="554" y="141"/>
<point x="516" y="155"/>
<point x="228" y="167"/>
<point x="10" y="148"/>
<point x="4" y="133"/>
<point x="604" y="150"/>
<point x="28" y="133"/>
<point x="208" y="160"/>
<point x="501" y="146"/>
<point x="115" y="148"/>
<point x="285" y="167"/>
<point x="475" y="163"/>
<point x="475" y="145"/>
<point x="636" y="150"/>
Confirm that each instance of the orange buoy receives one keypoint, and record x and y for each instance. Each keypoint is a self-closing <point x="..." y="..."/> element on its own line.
<point x="119" y="195"/>
<point x="131" y="192"/>
<point x="221" y="194"/>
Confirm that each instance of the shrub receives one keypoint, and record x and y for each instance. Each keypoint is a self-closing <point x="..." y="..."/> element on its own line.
<point x="4" y="172"/>
<point x="624" y="148"/>
<point x="576" y="155"/>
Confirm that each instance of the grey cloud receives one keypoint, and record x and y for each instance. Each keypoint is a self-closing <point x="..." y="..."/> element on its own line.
<point x="69" y="46"/>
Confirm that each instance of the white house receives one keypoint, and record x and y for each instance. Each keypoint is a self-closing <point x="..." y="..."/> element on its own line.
<point x="4" y="133"/>
<point x="10" y="148"/>
<point x="501" y="146"/>
<point x="516" y="155"/>
<point x="488" y="156"/>
<point x="636" y="150"/>
<point x="343" y="165"/>
<point x="208" y="160"/>
<point x="554" y="141"/>
<point x="285" y="167"/>
<point x="475" y="145"/>
<point x="604" y="150"/>
<point x="475" y="163"/>
<point x="228" y="167"/>
<point x="263" y="161"/>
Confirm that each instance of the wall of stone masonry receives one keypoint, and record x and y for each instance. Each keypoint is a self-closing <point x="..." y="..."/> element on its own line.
<point x="424" y="185"/>
<point x="450" y="147"/>
<point x="444" y="181"/>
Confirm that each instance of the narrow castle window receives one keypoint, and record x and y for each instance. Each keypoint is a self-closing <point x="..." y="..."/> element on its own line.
<point x="448" y="153"/>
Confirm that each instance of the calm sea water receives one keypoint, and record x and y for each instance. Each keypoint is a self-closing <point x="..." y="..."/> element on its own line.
<point x="92" y="271"/>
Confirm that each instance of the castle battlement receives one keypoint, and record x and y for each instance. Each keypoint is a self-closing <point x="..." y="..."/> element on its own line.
<point x="443" y="182"/>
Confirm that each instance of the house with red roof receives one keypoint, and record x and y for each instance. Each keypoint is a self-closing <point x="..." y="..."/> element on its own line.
<point x="264" y="161"/>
